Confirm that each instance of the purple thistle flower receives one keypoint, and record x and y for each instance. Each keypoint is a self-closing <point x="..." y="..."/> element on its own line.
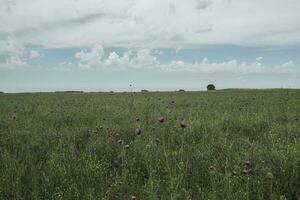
<point x="138" y="131"/>
<point x="183" y="124"/>
<point x="161" y="119"/>
<point x="133" y="198"/>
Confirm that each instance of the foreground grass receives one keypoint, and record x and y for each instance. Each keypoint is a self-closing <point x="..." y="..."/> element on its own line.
<point x="65" y="146"/>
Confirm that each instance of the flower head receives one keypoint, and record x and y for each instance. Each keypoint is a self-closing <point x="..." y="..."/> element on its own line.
<point x="133" y="198"/>
<point x="157" y="140"/>
<point x="161" y="119"/>
<point x="120" y="141"/>
<point x="183" y="124"/>
<point x="138" y="131"/>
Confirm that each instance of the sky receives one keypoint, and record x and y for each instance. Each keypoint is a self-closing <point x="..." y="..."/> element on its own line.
<point x="108" y="45"/>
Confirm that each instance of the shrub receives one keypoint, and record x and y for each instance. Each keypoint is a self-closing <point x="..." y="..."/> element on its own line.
<point x="211" y="87"/>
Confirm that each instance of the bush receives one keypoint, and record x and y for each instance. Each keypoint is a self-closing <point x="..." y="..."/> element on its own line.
<point x="211" y="87"/>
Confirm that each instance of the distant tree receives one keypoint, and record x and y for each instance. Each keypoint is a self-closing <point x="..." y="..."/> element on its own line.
<point x="1" y="92"/>
<point x="144" y="90"/>
<point x="211" y="87"/>
<point x="69" y="91"/>
<point x="181" y="90"/>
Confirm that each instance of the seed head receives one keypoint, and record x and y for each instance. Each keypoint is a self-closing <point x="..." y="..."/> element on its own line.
<point x="138" y="131"/>
<point x="157" y="140"/>
<point x="270" y="175"/>
<point x="120" y="141"/>
<point x="183" y="124"/>
<point x="248" y="171"/>
<point x="161" y="119"/>
<point x="235" y="173"/>
<point x="133" y="198"/>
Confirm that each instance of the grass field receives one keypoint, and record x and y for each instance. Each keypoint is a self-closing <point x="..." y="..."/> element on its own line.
<point x="238" y="144"/>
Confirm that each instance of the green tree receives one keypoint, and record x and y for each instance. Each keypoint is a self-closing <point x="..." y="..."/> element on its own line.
<point x="211" y="87"/>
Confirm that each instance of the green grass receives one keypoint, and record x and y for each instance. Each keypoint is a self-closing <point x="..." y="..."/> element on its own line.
<point x="64" y="145"/>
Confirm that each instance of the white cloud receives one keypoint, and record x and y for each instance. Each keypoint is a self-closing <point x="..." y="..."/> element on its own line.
<point x="65" y="63"/>
<point x="205" y="66"/>
<point x="60" y="69"/>
<point x="146" y="59"/>
<point x="13" y="62"/>
<point x="259" y="58"/>
<point x="34" y="54"/>
<point x="288" y="67"/>
<point x="14" y="52"/>
<point x="11" y="46"/>
<point x="92" y="58"/>
<point x="95" y="59"/>
<point x="155" y="23"/>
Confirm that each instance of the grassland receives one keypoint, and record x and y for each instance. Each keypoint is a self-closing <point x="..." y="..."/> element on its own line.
<point x="238" y="144"/>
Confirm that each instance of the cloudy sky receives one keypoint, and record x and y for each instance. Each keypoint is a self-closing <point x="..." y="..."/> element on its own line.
<point x="92" y="45"/>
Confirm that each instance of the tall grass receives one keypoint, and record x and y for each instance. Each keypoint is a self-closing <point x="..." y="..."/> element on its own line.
<point x="65" y="145"/>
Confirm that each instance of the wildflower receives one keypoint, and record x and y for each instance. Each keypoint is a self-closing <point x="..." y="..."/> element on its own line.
<point x="270" y="175"/>
<point x="120" y="141"/>
<point x="245" y="171"/>
<point x="247" y="162"/>
<point x="127" y="146"/>
<point x="133" y="198"/>
<point x="183" y="124"/>
<point x="235" y="173"/>
<point x="248" y="171"/>
<point x="157" y="140"/>
<point x="161" y="119"/>
<point x="138" y="131"/>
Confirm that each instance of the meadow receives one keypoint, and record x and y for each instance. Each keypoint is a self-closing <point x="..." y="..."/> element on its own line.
<point x="226" y="144"/>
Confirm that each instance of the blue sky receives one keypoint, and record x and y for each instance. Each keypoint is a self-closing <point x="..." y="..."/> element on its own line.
<point x="158" y="45"/>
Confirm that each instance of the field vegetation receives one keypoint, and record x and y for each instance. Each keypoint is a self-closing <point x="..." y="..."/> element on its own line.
<point x="226" y="144"/>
